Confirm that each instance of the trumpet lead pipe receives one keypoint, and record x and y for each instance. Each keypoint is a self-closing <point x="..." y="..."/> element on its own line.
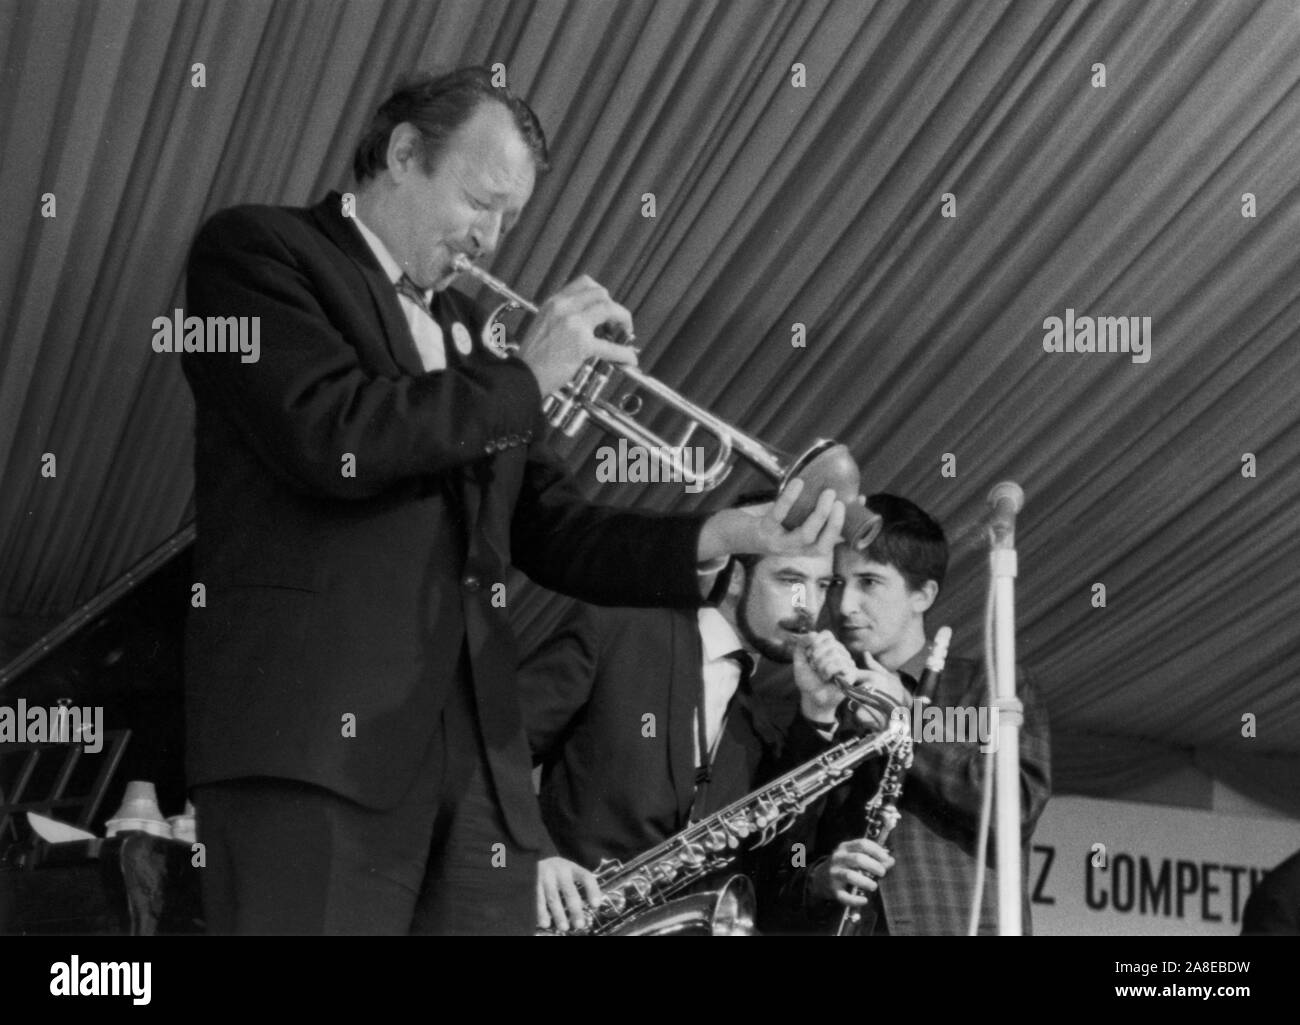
<point x="463" y="264"/>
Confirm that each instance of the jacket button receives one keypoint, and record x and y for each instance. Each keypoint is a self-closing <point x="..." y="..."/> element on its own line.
<point x="471" y="582"/>
<point x="489" y="448"/>
<point x="514" y="440"/>
<point x="528" y="436"/>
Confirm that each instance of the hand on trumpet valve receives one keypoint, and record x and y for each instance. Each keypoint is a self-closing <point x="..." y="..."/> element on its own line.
<point x="567" y="332"/>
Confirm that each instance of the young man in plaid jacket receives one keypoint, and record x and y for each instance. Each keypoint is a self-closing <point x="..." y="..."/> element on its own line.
<point x="925" y="883"/>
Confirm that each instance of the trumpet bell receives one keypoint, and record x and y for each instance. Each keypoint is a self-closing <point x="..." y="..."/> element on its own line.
<point x="828" y="464"/>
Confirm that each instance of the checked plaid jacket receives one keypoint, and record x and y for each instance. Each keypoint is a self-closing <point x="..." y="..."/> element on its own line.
<point x="929" y="889"/>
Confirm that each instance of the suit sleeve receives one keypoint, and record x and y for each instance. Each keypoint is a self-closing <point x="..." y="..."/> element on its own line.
<point x="555" y="682"/>
<point x="556" y="679"/>
<point x="601" y="554"/>
<point x="307" y="401"/>
<point x="953" y="773"/>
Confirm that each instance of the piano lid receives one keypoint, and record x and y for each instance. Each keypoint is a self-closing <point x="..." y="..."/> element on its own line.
<point x="119" y="652"/>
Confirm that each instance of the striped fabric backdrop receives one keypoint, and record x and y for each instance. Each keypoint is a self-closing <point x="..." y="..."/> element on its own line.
<point x="798" y="155"/>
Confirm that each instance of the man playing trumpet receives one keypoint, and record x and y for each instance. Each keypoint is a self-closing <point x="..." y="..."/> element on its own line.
<point x="355" y="744"/>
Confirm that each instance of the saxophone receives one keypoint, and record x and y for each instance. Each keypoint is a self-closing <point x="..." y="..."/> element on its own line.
<point x="637" y="898"/>
<point x="882" y="810"/>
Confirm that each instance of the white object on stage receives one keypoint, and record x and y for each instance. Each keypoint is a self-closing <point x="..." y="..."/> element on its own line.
<point x="140" y="812"/>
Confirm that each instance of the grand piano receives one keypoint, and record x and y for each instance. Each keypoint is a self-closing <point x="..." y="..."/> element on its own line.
<point x="120" y="651"/>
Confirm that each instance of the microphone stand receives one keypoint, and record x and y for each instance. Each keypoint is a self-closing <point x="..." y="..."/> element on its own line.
<point x="1006" y="775"/>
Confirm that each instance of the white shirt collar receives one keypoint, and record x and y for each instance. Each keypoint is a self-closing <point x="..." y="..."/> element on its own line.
<point x="391" y="267"/>
<point x="718" y="637"/>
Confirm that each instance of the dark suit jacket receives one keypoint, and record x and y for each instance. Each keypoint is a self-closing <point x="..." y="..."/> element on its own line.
<point x="609" y="789"/>
<point x="334" y="599"/>
<point x="1274" y="905"/>
<point x="929" y="889"/>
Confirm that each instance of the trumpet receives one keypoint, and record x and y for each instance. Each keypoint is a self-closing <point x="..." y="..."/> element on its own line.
<point x="825" y="464"/>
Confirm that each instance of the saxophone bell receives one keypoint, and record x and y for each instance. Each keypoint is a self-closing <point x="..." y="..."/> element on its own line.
<point x="728" y="911"/>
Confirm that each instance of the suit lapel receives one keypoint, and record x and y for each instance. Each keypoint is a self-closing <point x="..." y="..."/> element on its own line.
<point x="740" y="749"/>
<point x="473" y="482"/>
<point x="466" y="487"/>
<point x="344" y="234"/>
<point x="686" y="674"/>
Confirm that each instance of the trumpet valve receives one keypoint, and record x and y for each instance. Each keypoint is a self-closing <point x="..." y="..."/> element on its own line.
<point x="572" y="420"/>
<point x="590" y="382"/>
<point x="558" y="409"/>
<point x="562" y="408"/>
<point x="583" y="391"/>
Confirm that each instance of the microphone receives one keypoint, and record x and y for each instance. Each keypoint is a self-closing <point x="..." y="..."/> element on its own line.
<point x="1004" y="501"/>
<point x="803" y="626"/>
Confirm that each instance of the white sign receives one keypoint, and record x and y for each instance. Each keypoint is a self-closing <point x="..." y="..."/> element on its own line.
<point x="1115" y="868"/>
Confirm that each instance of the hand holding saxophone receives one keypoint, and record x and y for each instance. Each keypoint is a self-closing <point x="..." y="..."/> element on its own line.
<point x="560" y="905"/>
<point x="564" y="334"/>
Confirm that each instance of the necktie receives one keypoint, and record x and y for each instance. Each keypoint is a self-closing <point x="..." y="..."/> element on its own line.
<point x="412" y="291"/>
<point x="706" y="740"/>
<point x="428" y="337"/>
<point x="746" y="662"/>
<point x="706" y="747"/>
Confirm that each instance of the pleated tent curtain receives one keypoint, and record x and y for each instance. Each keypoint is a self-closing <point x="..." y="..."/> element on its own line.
<point x="776" y="205"/>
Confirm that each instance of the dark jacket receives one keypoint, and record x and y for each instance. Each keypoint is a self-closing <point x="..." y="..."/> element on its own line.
<point x="609" y="703"/>
<point x="929" y="889"/>
<point x="1274" y="905"/>
<point x="335" y="599"/>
